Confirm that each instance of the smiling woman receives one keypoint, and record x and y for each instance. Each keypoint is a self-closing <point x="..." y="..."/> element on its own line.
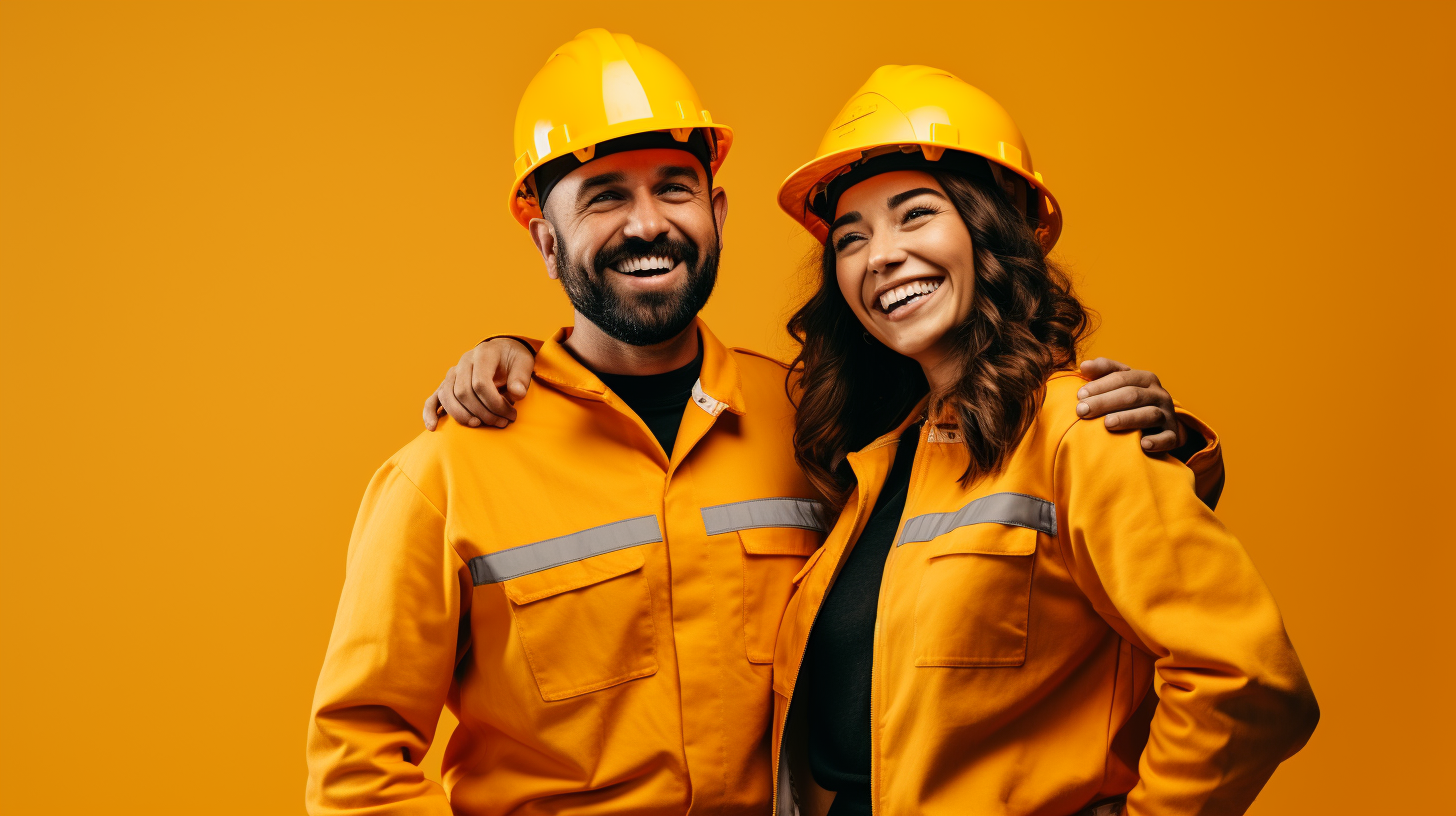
<point x="981" y="630"/>
<point x="953" y="292"/>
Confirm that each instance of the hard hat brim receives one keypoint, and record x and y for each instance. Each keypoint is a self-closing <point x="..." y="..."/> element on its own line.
<point x="795" y="191"/>
<point x="524" y="209"/>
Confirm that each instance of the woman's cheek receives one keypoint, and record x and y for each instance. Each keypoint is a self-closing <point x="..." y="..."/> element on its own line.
<point x="851" y="283"/>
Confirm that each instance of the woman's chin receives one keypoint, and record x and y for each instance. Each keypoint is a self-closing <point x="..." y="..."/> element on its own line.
<point x="910" y="342"/>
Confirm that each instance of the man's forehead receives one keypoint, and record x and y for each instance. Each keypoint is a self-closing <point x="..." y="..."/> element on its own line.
<point x="629" y="165"/>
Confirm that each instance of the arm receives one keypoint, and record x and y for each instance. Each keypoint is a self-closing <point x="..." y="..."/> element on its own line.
<point x="1233" y="700"/>
<point x="390" y="661"/>
<point x="471" y="391"/>
<point x="1131" y="400"/>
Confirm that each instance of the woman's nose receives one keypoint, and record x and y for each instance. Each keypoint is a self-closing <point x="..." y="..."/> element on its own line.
<point x="885" y="256"/>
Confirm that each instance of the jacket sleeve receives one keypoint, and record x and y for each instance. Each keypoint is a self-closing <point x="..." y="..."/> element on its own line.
<point x="1207" y="461"/>
<point x="390" y="660"/>
<point x="1233" y="700"/>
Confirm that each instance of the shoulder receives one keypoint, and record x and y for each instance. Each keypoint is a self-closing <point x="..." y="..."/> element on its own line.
<point x="1058" y="412"/>
<point x="763" y="377"/>
<point x="429" y="459"/>
<point x="1085" y="444"/>
<point x="757" y="361"/>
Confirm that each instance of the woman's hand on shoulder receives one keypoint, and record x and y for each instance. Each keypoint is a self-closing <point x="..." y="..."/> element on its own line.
<point x="1131" y="400"/>
<point x="471" y="392"/>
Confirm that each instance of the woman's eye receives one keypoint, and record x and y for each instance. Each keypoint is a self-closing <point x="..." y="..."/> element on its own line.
<point x="846" y="240"/>
<point x="918" y="212"/>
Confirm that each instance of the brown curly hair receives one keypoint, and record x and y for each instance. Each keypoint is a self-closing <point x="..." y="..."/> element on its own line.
<point x="1024" y="324"/>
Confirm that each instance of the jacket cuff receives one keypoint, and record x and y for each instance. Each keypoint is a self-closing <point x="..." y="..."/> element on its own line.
<point x="1206" y="461"/>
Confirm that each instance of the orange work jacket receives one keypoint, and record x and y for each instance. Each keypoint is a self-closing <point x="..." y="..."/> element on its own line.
<point x="600" y="618"/>
<point x="1075" y="627"/>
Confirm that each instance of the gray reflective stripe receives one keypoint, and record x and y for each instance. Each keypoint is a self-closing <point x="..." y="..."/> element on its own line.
<point x="553" y="552"/>
<point x="746" y="515"/>
<point x="1016" y="509"/>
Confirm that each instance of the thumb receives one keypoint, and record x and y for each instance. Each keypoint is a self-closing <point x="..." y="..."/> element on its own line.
<point x="518" y="375"/>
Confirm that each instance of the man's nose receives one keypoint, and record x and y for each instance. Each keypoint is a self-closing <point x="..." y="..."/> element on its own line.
<point x="647" y="220"/>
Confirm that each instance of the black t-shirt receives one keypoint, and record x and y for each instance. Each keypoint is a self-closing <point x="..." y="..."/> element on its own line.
<point x="659" y="399"/>
<point x="841" y="650"/>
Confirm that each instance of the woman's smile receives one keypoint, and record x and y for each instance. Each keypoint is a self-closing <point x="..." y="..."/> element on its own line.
<point x="901" y="299"/>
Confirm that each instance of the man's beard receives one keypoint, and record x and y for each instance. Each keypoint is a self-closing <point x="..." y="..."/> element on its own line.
<point x="643" y="318"/>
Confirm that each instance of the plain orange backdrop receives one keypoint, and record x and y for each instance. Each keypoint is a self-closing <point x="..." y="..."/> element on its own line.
<point x="241" y="242"/>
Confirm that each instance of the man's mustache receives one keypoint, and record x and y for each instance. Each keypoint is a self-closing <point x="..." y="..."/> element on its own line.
<point x="674" y="249"/>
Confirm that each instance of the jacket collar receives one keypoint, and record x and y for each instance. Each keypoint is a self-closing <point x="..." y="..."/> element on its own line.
<point x="719" y="385"/>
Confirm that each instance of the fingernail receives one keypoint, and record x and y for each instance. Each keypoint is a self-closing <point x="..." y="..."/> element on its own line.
<point x="1112" y="421"/>
<point x="1082" y="409"/>
<point x="474" y="423"/>
<point x="1147" y="444"/>
<point x="1082" y="394"/>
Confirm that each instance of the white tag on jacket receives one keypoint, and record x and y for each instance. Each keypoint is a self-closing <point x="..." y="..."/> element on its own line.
<point x="943" y="433"/>
<point x="707" y="403"/>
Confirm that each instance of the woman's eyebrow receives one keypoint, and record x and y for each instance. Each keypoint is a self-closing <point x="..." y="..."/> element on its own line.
<point x="847" y="218"/>
<point x="901" y="198"/>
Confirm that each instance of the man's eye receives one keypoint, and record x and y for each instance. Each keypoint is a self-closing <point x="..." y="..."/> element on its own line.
<point x="675" y="188"/>
<point x="608" y="196"/>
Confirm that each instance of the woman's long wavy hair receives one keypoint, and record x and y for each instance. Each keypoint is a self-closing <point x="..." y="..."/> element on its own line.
<point x="1024" y="324"/>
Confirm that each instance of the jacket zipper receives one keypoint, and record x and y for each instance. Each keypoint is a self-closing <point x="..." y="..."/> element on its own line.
<point x="879" y="609"/>
<point x="799" y="667"/>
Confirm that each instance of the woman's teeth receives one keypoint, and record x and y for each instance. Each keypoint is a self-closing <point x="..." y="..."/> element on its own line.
<point x="654" y="265"/>
<point x="892" y="300"/>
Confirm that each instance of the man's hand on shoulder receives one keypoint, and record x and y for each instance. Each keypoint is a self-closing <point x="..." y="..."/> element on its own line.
<point x="471" y="392"/>
<point x="1131" y="400"/>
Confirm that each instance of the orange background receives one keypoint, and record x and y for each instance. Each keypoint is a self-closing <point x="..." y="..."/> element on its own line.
<point x="242" y="241"/>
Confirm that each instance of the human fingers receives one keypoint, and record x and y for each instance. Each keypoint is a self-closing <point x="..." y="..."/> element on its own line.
<point x="1136" y="419"/>
<point x="485" y="382"/>
<point x="1160" y="442"/>
<point x="519" y="364"/>
<point x="432" y="412"/>
<point x="1117" y="379"/>
<point x="463" y="390"/>
<point x="1123" y="398"/>
<point x="452" y="406"/>
<point x="1101" y="367"/>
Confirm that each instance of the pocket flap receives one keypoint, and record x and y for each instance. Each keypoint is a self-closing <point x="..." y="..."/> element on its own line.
<point x="808" y="565"/>
<point x="779" y="541"/>
<point x="984" y="539"/>
<point x="577" y="574"/>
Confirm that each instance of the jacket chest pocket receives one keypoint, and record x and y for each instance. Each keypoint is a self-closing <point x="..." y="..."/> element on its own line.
<point x="776" y="536"/>
<point x="584" y="615"/>
<point x="772" y="557"/>
<point x="974" y="601"/>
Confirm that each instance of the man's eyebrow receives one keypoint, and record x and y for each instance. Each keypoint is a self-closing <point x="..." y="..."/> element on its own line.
<point x="901" y="198"/>
<point x="847" y="218"/>
<point x="677" y="171"/>
<point x="604" y="180"/>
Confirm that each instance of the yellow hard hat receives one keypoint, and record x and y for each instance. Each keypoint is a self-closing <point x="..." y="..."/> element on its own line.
<point x="906" y="107"/>
<point x="603" y="86"/>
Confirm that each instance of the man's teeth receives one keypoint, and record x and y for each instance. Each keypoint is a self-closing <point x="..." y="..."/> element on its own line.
<point x="899" y="293"/>
<point x="634" y="266"/>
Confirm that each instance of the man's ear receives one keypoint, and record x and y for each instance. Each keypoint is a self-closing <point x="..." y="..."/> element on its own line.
<point x="720" y="207"/>
<point x="543" y="235"/>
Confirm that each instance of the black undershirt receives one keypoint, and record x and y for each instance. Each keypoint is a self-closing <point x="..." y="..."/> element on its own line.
<point x="841" y="650"/>
<point x="658" y="399"/>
